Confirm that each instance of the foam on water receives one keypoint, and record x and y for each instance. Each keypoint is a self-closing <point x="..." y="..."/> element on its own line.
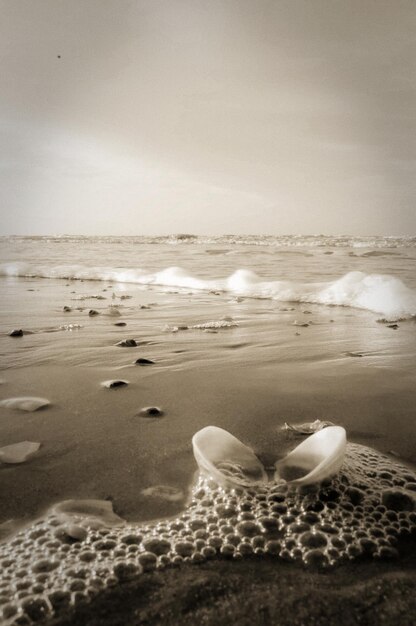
<point x="294" y="241"/>
<point x="380" y="293"/>
<point x="81" y="548"/>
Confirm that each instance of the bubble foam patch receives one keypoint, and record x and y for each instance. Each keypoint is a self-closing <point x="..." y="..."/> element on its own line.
<point x="76" y="551"/>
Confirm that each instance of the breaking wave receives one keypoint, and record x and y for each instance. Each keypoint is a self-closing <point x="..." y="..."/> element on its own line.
<point x="380" y="293"/>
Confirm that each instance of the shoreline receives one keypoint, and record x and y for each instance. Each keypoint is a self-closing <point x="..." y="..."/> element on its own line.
<point x="249" y="380"/>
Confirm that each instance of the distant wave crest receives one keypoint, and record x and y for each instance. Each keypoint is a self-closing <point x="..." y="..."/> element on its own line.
<point x="277" y="241"/>
<point x="380" y="293"/>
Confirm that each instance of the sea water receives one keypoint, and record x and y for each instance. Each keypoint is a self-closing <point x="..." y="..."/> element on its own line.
<point x="376" y="274"/>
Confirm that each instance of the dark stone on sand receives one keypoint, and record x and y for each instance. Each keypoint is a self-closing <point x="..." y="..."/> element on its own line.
<point x="150" y="411"/>
<point x="142" y="361"/>
<point x="111" y="384"/>
<point x="127" y="343"/>
<point x="393" y="326"/>
<point x="16" y="333"/>
<point x="120" y="324"/>
<point x="92" y="312"/>
<point x="67" y="309"/>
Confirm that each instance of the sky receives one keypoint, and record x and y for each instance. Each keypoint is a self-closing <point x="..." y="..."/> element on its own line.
<point x="141" y="117"/>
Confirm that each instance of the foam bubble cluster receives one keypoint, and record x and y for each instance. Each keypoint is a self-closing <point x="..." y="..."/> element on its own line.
<point x="75" y="552"/>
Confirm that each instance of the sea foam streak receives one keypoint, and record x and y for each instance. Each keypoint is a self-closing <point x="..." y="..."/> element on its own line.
<point x="380" y="293"/>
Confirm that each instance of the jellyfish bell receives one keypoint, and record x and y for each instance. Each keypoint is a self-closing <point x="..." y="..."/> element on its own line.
<point x="317" y="458"/>
<point x="226" y="460"/>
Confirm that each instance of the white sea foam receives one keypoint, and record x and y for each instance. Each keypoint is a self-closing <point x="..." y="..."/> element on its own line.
<point x="296" y="241"/>
<point x="380" y="293"/>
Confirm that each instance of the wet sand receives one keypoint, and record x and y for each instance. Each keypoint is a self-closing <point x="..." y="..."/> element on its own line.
<point x="261" y="591"/>
<point x="249" y="380"/>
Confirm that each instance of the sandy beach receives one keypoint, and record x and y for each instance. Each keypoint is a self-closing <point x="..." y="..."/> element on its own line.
<point x="208" y="313"/>
<point x="250" y="369"/>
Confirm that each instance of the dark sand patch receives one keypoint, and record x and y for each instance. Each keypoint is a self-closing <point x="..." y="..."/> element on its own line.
<point x="261" y="591"/>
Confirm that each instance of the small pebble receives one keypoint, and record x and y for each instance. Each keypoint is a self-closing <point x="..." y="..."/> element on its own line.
<point x="142" y="361"/>
<point x="16" y="333"/>
<point x="150" y="411"/>
<point x="67" y="309"/>
<point x="127" y="343"/>
<point x="111" y="384"/>
<point x="120" y="324"/>
<point x="92" y="312"/>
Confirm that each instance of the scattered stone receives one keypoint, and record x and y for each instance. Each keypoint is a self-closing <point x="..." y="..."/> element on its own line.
<point x="143" y="361"/>
<point x="16" y="333"/>
<point x="354" y="354"/>
<point x="120" y="324"/>
<point x="67" y="309"/>
<point x="18" y="452"/>
<point x="127" y="343"/>
<point x="25" y="403"/>
<point x="393" y="326"/>
<point x="144" y="306"/>
<point x="301" y="324"/>
<point x="150" y="411"/>
<point x="112" y="384"/>
<point x="92" y="312"/>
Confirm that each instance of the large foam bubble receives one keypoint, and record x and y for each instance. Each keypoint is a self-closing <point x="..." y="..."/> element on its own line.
<point x="81" y="548"/>
<point x="380" y="293"/>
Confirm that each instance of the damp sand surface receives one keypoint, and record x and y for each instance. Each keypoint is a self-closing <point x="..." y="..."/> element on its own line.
<point x="249" y="379"/>
<point x="261" y="591"/>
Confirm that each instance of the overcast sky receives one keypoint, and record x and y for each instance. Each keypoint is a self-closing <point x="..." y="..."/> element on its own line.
<point x="207" y="116"/>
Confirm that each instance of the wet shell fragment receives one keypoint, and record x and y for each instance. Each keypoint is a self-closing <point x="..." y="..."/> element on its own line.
<point x="226" y="459"/>
<point x="317" y="458"/>
<point x="307" y="428"/>
<point x="164" y="492"/>
<point x="18" y="452"/>
<point x="25" y="403"/>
